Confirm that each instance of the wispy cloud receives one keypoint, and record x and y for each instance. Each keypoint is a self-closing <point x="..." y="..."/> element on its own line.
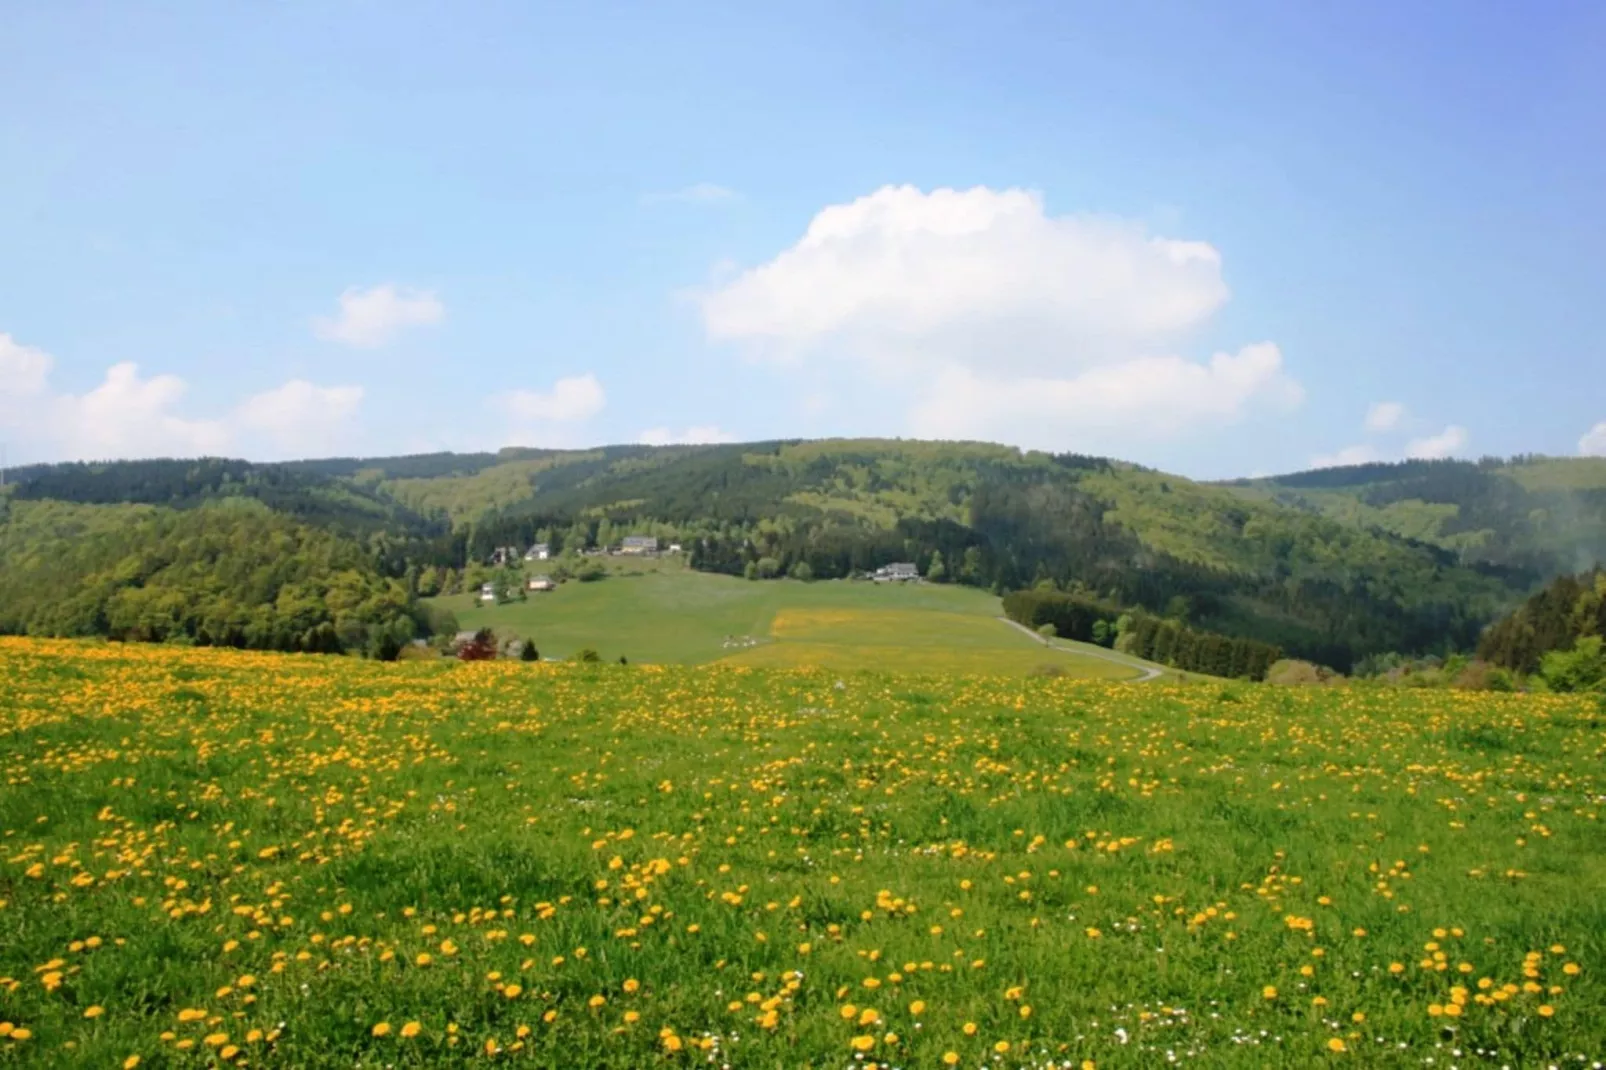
<point x="1345" y="457"/>
<point x="692" y="436"/>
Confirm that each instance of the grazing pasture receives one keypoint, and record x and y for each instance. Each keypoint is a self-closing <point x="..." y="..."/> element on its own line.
<point x="660" y="612"/>
<point x="225" y="858"/>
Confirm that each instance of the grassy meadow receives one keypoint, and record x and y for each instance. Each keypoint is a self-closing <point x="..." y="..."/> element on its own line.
<point x="663" y="613"/>
<point x="225" y="858"/>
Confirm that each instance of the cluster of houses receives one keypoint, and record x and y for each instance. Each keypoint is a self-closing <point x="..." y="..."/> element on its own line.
<point x="533" y="584"/>
<point x="630" y="546"/>
<point x="507" y="556"/>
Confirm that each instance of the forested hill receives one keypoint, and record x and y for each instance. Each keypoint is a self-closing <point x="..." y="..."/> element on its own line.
<point x="1328" y="570"/>
<point x="1538" y="516"/>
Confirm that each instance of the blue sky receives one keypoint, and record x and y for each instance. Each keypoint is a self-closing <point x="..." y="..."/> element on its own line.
<point x="1206" y="237"/>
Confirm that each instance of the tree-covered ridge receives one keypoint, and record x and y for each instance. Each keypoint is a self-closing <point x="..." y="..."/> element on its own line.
<point x="1535" y="516"/>
<point x="297" y="491"/>
<point x="227" y="573"/>
<point x="1570" y="610"/>
<point x="465" y="497"/>
<point x="1309" y="568"/>
<point x="1003" y="518"/>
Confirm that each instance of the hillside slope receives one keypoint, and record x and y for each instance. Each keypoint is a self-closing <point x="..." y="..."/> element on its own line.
<point x="228" y="573"/>
<point x="1331" y="566"/>
<point x="1538" y="517"/>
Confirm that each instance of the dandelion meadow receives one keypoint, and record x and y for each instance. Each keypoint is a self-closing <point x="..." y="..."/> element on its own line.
<point x="223" y="858"/>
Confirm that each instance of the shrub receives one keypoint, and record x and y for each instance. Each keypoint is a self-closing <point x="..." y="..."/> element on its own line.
<point x="1581" y="668"/>
<point x="480" y="648"/>
<point x="1290" y="672"/>
<point x="1481" y="676"/>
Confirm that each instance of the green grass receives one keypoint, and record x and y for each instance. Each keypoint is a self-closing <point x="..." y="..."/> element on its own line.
<point x="215" y="857"/>
<point x="666" y="614"/>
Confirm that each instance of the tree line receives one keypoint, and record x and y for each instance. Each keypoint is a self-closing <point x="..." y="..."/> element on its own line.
<point x="1143" y="635"/>
<point x="1571" y="610"/>
<point x="227" y="574"/>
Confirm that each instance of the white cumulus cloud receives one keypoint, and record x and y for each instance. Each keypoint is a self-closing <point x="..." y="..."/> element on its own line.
<point x="1593" y="444"/>
<point x="1446" y="443"/>
<point x="571" y="399"/>
<point x="1385" y="416"/>
<point x="692" y="436"/>
<point x="130" y="415"/>
<point x="24" y="370"/>
<point x="372" y="317"/>
<point x="299" y="417"/>
<point x="897" y="272"/>
<point x="983" y="315"/>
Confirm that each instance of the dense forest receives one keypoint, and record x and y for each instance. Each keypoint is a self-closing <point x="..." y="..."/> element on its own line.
<point x="1331" y="566"/>
<point x="1530" y="517"/>
<point x="1570" y="611"/>
<point x="231" y="573"/>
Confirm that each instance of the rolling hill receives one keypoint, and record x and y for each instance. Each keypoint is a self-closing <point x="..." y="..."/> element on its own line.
<point x="1331" y="565"/>
<point x="1536" y="516"/>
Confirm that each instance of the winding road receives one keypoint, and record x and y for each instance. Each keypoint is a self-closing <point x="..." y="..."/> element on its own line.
<point x="1146" y="672"/>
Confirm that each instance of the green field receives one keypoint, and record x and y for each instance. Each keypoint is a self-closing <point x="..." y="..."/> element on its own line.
<point x="218" y="858"/>
<point x="666" y="614"/>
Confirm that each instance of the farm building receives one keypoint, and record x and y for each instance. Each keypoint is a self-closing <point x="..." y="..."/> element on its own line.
<point x="541" y="583"/>
<point x="639" y="544"/>
<point x="898" y="572"/>
<point x="539" y="552"/>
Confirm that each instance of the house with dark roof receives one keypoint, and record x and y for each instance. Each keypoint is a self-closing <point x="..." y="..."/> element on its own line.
<point x="898" y="572"/>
